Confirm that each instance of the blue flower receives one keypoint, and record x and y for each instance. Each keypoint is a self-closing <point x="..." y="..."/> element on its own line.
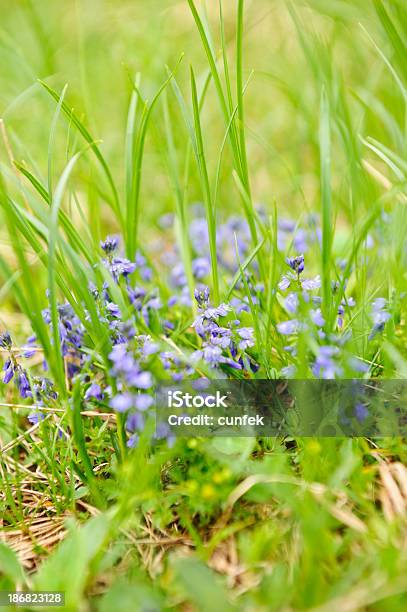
<point x="94" y="391"/>
<point x="5" y="340"/>
<point x="110" y="245"/>
<point x="113" y="310"/>
<point x="287" y="328"/>
<point x="296" y="263"/>
<point x="23" y="384"/>
<point x="142" y="380"/>
<point x="311" y="283"/>
<point x="143" y="401"/>
<point x="361" y="412"/>
<point x="119" y="266"/>
<point x="135" y="421"/>
<point x="202" y="296"/>
<point x="8" y="369"/>
<point x="380" y="316"/>
<point x="317" y="318"/>
<point x="133" y="441"/>
<point x="325" y="365"/>
<point x="200" y="267"/>
<point x="291" y="302"/>
<point x="246" y="333"/>
<point x="122" y="402"/>
<point x="29" y="348"/>
<point x="36" y="417"/>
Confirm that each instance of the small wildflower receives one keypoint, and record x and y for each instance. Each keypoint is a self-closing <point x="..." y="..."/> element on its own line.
<point x="122" y="402"/>
<point x="246" y="333"/>
<point x="5" y="340"/>
<point x="325" y="365"/>
<point x="110" y="245"/>
<point x="94" y="391"/>
<point x="288" y="328"/>
<point x="361" y="412"/>
<point x="380" y="316"/>
<point x="202" y="296"/>
<point x="143" y="401"/>
<point x="8" y="369"/>
<point x="296" y="263"/>
<point x="200" y="267"/>
<point x="36" y="417"/>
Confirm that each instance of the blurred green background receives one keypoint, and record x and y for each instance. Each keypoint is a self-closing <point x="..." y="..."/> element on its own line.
<point x="294" y="49"/>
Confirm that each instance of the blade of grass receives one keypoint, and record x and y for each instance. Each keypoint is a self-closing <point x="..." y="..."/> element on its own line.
<point x="203" y="170"/>
<point x="326" y="204"/>
<point x="69" y="112"/>
<point x="133" y="205"/>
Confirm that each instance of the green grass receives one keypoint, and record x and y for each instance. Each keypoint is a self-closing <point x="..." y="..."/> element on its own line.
<point x="114" y="114"/>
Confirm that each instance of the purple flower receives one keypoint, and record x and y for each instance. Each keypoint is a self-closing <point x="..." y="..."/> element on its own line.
<point x="300" y="241"/>
<point x="284" y="283"/>
<point x="29" y="348"/>
<point x="110" y="244"/>
<point x="123" y="362"/>
<point x="142" y="380"/>
<point x="113" y="310"/>
<point x="119" y="266"/>
<point x="361" y="412"/>
<point x="317" y="318"/>
<point x="291" y="303"/>
<point x="214" y="313"/>
<point x="311" y="283"/>
<point x="94" y="391"/>
<point x="202" y="296"/>
<point x="5" y="340"/>
<point x="35" y="417"/>
<point x="212" y="355"/>
<point x="178" y="278"/>
<point x="204" y="326"/>
<point x="135" y="421"/>
<point x="288" y="371"/>
<point x="23" y="384"/>
<point x="380" y="316"/>
<point x="143" y="401"/>
<point x="122" y="402"/>
<point x="8" y="370"/>
<point x="288" y="327"/>
<point x="133" y="441"/>
<point x="296" y="263"/>
<point x="246" y="333"/>
<point x="325" y="365"/>
<point x="286" y="225"/>
<point x="239" y="305"/>
<point x="221" y="336"/>
<point x="200" y="267"/>
<point x="358" y="366"/>
<point x="147" y="346"/>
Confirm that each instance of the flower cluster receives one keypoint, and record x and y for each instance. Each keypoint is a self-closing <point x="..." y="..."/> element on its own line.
<point x="40" y="390"/>
<point x="148" y="330"/>
<point x="380" y="315"/>
<point x="222" y="344"/>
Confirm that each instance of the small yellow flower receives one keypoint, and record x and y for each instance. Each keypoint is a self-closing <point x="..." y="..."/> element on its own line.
<point x="314" y="447"/>
<point x="208" y="491"/>
<point x="192" y="486"/>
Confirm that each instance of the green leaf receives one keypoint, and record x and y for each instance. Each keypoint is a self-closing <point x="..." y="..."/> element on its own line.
<point x="71" y="565"/>
<point x="201" y="585"/>
<point x="10" y="565"/>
